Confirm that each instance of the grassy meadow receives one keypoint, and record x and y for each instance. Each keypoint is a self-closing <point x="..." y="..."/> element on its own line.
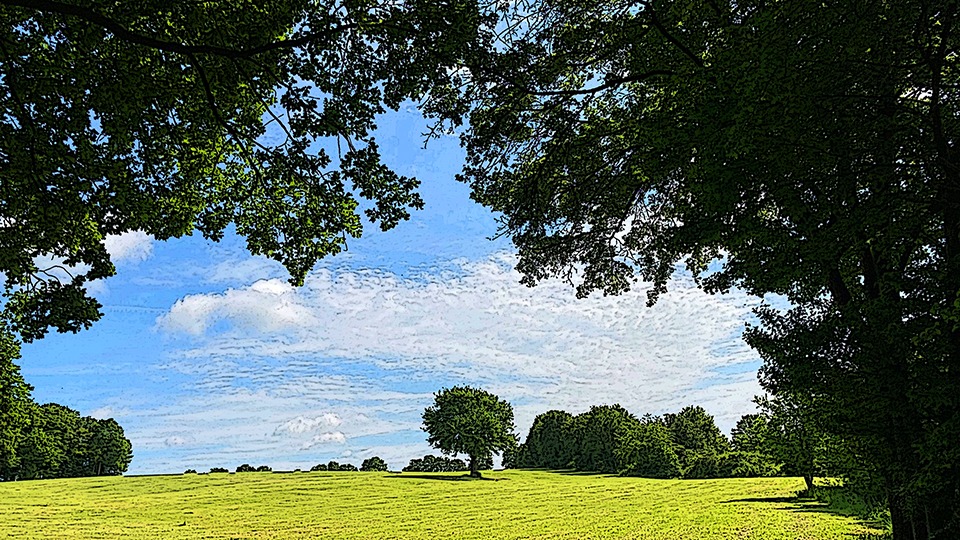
<point x="511" y="504"/>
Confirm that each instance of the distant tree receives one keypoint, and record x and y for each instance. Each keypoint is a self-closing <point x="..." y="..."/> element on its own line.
<point x="109" y="451"/>
<point x="750" y="434"/>
<point x="264" y="468"/>
<point x="246" y="467"/>
<point x="695" y="434"/>
<point x="511" y="457"/>
<point x="190" y="471"/>
<point x="469" y="421"/>
<point x="793" y="435"/>
<point x="373" y="464"/>
<point x="318" y="467"/>
<point x="597" y="434"/>
<point x="218" y="470"/>
<point x="550" y="442"/>
<point x="646" y="449"/>
<point x="348" y="467"/>
<point x="333" y="466"/>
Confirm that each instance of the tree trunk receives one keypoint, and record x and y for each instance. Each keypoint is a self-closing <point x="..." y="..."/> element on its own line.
<point x="474" y="472"/>
<point x="808" y="478"/>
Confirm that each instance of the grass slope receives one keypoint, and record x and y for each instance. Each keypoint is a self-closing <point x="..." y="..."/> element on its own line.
<point x="521" y="504"/>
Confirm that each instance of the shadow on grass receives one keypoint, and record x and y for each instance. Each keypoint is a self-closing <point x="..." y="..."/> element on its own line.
<point x="444" y="478"/>
<point x="572" y="472"/>
<point x="805" y="505"/>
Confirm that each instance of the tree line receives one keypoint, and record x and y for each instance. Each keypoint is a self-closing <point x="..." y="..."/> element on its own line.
<point x="687" y="444"/>
<point x="51" y="440"/>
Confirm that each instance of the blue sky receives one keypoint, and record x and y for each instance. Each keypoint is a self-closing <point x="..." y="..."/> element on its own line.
<point x="208" y="358"/>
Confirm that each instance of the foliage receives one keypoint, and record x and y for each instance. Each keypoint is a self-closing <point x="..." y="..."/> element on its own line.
<point x="190" y="471"/>
<point x="469" y="421"/>
<point x="550" y="442"/>
<point x="174" y="118"/>
<point x="750" y="434"/>
<point x="218" y="470"/>
<point x="365" y="506"/>
<point x="598" y="434"/>
<point x="57" y="442"/>
<point x="695" y="436"/>
<point x="246" y="467"/>
<point x="373" y="464"/>
<point x="318" y="467"/>
<point x="264" y="468"/>
<point x="431" y="463"/>
<point x="646" y="449"/>
<point x="15" y="405"/>
<point x="808" y="149"/>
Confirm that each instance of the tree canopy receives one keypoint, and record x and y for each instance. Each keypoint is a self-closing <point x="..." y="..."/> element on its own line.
<point x="471" y="421"/>
<point x="179" y="118"/>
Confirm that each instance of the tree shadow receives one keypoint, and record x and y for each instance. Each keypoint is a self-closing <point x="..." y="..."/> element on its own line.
<point x="806" y="505"/>
<point x="444" y="477"/>
<point x="572" y="472"/>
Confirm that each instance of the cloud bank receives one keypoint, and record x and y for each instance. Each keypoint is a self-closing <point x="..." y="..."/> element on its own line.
<point x="373" y="346"/>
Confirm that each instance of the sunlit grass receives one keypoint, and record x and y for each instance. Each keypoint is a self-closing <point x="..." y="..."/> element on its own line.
<point x="519" y="504"/>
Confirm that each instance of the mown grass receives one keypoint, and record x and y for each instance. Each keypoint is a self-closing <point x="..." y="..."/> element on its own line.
<point x="519" y="504"/>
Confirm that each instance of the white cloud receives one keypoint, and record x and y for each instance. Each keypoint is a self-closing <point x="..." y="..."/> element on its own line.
<point x="302" y="425"/>
<point x="266" y="306"/>
<point x="324" y="438"/>
<point x="131" y="246"/>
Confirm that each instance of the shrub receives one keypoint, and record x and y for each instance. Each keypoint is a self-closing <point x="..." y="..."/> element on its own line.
<point x="264" y="468"/>
<point x="218" y="469"/>
<point x="246" y="467"/>
<point x="190" y="471"/>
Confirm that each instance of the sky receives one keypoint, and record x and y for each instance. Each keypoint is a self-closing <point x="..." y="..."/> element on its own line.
<point x="208" y="358"/>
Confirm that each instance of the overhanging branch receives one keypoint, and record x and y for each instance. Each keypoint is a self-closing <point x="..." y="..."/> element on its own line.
<point x="117" y="29"/>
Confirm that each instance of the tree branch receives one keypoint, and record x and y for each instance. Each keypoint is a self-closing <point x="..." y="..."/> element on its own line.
<point x="117" y="29"/>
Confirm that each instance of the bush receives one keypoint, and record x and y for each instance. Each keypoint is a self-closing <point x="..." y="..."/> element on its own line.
<point x="190" y="471"/>
<point x="373" y="464"/>
<point x="246" y="467"/>
<point x="218" y="469"/>
<point x="318" y="467"/>
<point x="264" y="468"/>
<point x="430" y="463"/>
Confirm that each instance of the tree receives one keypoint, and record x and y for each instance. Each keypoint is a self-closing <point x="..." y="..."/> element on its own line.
<point x="750" y="434"/>
<point x="807" y="148"/>
<point x="598" y="433"/>
<point x="550" y="442"/>
<point x="264" y="468"/>
<point x="469" y="421"/>
<point x="373" y="464"/>
<point x="794" y="436"/>
<point x="246" y="467"/>
<point x="170" y="119"/>
<point x="646" y="449"/>
<point x="318" y="467"/>
<point x="695" y="434"/>
<point x="110" y="452"/>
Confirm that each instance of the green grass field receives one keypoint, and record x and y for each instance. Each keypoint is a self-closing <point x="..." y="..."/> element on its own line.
<point x="519" y="504"/>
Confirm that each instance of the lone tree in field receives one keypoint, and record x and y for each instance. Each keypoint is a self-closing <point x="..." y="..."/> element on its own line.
<point x="469" y="421"/>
